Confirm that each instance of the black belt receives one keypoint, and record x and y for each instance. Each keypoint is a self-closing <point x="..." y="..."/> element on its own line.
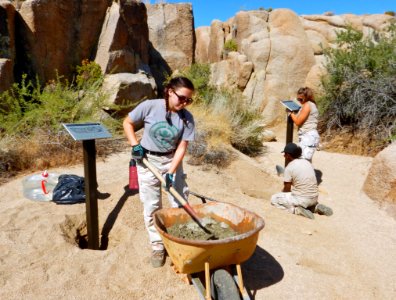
<point x="158" y="153"/>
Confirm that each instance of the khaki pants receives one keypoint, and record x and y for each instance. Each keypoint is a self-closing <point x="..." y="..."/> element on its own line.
<point x="290" y="202"/>
<point x="150" y="193"/>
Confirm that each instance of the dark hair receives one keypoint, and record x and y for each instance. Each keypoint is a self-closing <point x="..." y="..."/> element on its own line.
<point x="307" y="92"/>
<point x="174" y="83"/>
<point x="177" y="82"/>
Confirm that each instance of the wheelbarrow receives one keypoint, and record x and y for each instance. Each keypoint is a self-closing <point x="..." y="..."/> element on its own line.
<point x="210" y="259"/>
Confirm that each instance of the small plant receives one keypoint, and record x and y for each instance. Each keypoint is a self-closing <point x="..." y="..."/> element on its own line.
<point x="390" y="13"/>
<point x="88" y="73"/>
<point x="230" y="45"/>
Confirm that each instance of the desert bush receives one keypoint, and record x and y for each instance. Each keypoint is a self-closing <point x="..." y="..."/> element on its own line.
<point x="360" y="88"/>
<point x="223" y="118"/>
<point x="31" y="117"/>
<point x="230" y="45"/>
<point x="88" y="74"/>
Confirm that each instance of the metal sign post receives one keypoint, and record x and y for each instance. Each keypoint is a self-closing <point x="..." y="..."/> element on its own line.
<point x="289" y="134"/>
<point x="87" y="133"/>
<point x="291" y="106"/>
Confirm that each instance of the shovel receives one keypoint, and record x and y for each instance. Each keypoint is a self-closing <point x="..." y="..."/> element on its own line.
<point x="175" y="194"/>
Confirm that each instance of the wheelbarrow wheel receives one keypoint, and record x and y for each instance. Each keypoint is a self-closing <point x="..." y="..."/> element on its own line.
<point x="223" y="286"/>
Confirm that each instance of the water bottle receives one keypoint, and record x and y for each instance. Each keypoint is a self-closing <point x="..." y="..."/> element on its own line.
<point x="133" y="176"/>
<point x="39" y="187"/>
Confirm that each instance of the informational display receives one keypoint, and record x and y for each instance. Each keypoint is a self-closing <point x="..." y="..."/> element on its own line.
<point x="291" y="105"/>
<point x="87" y="131"/>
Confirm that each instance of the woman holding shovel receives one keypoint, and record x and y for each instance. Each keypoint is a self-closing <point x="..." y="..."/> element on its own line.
<point x="168" y="127"/>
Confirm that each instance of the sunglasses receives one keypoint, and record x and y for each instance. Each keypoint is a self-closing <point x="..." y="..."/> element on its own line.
<point x="183" y="99"/>
<point x="300" y="99"/>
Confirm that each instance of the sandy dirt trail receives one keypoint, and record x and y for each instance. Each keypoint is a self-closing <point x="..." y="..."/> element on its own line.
<point x="350" y="255"/>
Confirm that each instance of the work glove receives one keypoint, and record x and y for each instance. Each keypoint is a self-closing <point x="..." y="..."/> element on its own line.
<point x="137" y="152"/>
<point x="169" y="181"/>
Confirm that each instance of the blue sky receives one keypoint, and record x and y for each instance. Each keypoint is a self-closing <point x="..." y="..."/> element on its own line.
<point x="207" y="10"/>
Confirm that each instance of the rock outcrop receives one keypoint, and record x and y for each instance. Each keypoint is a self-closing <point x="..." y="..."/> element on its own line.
<point x="172" y="39"/>
<point x="127" y="88"/>
<point x="55" y="36"/>
<point x="277" y="51"/>
<point x="286" y="52"/>
<point x="380" y="184"/>
<point x="123" y="44"/>
<point x="7" y="44"/>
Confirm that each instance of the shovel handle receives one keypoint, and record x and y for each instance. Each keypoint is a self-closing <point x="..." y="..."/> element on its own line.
<point x="160" y="178"/>
<point x="175" y="194"/>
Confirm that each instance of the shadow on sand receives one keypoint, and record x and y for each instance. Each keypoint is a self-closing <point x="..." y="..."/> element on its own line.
<point x="112" y="217"/>
<point x="318" y="174"/>
<point x="260" y="271"/>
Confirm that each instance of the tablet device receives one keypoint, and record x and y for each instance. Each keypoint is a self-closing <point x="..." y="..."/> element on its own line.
<point x="291" y="105"/>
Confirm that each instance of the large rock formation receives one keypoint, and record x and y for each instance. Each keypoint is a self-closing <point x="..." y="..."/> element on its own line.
<point x="124" y="44"/>
<point x="172" y="39"/>
<point x="55" y="36"/>
<point x="202" y="49"/>
<point x="277" y="52"/>
<point x="7" y="44"/>
<point x="380" y="183"/>
<point x="127" y="88"/>
<point x="286" y="51"/>
<point x="289" y="62"/>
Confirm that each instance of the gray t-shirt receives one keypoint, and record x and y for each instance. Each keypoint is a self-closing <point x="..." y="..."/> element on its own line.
<point x="302" y="176"/>
<point x="160" y="134"/>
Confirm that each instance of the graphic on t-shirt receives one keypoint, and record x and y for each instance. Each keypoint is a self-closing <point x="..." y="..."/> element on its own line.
<point x="163" y="135"/>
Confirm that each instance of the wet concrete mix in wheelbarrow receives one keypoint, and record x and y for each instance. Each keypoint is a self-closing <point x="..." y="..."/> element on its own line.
<point x="192" y="231"/>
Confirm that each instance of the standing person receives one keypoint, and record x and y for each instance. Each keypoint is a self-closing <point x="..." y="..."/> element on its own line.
<point x="168" y="127"/>
<point x="300" y="189"/>
<point x="307" y="121"/>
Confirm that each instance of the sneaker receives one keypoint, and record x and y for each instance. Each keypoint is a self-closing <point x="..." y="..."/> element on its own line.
<point x="301" y="211"/>
<point x="158" y="258"/>
<point x="322" y="209"/>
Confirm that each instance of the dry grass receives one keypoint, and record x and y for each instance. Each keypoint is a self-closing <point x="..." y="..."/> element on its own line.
<point x="43" y="151"/>
<point x="213" y="135"/>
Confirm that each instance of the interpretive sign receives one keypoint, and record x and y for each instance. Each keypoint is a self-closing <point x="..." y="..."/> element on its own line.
<point x="87" y="131"/>
<point x="291" y="105"/>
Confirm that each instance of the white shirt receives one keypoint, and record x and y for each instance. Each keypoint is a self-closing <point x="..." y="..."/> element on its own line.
<point x="302" y="176"/>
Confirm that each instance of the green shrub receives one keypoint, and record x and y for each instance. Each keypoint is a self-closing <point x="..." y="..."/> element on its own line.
<point x="28" y="106"/>
<point x="88" y="74"/>
<point x="31" y="117"/>
<point x="230" y="45"/>
<point x="199" y="74"/>
<point x="360" y="88"/>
